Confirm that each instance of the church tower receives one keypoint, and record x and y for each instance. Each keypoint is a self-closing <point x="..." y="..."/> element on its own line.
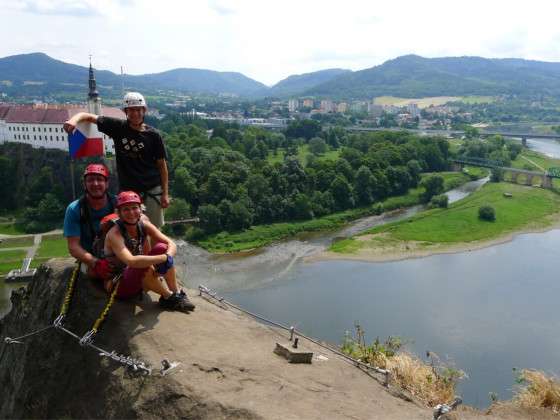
<point x="94" y="101"/>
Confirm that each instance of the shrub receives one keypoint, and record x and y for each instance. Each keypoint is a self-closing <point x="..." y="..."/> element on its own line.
<point x="497" y="175"/>
<point x="538" y="390"/>
<point x="433" y="382"/>
<point x="487" y="213"/>
<point x="441" y="201"/>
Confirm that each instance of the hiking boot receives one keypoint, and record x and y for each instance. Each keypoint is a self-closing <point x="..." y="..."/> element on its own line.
<point x="185" y="300"/>
<point x="176" y="302"/>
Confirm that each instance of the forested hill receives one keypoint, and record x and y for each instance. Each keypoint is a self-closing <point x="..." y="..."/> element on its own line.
<point x="298" y="83"/>
<point x="412" y="76"/>
<point x="37" y="73"/>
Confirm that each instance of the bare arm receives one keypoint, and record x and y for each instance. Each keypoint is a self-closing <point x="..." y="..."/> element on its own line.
<point x="70" y="125"/>
<point x="157" y="236"/>
<point x="117" y="245"/>
<point x="164" y="176"/>
<point x="80" y="253"/>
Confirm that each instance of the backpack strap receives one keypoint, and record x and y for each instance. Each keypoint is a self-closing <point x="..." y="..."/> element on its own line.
<point x="135" y="249"/>
<point x="85" y="219"/>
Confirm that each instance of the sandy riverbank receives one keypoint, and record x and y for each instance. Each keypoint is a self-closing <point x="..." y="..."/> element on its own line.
<point x="385" y="251"/>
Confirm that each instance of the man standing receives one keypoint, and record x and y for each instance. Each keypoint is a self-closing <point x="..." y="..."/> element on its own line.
<point x="140" y="153"/>
<point x="83" y="216"/>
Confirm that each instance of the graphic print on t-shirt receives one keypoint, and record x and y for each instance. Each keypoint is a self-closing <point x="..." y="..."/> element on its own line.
<point x="132" y="147"/>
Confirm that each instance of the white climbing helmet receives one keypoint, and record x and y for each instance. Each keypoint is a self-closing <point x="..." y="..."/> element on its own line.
<point x="132" y="99"/>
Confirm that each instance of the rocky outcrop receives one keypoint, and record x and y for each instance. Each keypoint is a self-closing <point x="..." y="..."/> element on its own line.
<point x="52" y="376"/>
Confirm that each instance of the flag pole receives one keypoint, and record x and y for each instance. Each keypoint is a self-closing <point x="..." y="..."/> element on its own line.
<point x="72" y="179"/>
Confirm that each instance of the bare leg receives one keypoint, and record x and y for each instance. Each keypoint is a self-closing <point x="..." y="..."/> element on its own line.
<point x="171" y="280"/>
<point x="151" y="282"/>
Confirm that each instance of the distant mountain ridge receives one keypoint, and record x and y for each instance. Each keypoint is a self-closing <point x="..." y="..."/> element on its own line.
<point x="47" y="74"/>
<point x="412" y="76"/>
<point x="409" y="76"/>
<point x="299" y="83"/>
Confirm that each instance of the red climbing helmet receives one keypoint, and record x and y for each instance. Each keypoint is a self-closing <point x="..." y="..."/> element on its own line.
<point x="127" y="197"/>
<point x="97" y="169"/>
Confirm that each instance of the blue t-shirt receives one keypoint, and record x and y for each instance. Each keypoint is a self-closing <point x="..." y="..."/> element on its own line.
<point x="72" y="225"/>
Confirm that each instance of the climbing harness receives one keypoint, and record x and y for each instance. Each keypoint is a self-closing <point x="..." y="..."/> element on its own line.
<point x="87" y="339"/>
<point x="363" y="366"/>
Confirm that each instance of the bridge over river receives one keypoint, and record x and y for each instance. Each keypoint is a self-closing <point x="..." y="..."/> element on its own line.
<point x="513" y="173"/>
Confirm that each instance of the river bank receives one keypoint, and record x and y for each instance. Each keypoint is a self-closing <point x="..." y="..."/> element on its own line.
<point x="418" y="249"/>
<point x="263" y="235"/>
<point x="519" y="209"/>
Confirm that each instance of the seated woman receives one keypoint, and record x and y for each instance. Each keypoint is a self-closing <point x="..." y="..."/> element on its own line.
<point x="128" y="251"/>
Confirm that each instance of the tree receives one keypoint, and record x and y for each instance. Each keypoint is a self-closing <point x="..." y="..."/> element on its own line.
<point x="240" y="216"/>
<point x="471" y="132"/>
<point x="210" y="218"/>
<point x="342" y="193"/>
<point x="303" y="128"/>
<point x="302" y="207"/>
<point x="178" y="209"/>
<point x="487" y="213"/>
<point x="440" y="200"/>
<point x="363" y="186"/>
<point x="317" y="146"/>
<point x="497" y="174"/>
<point x="184" y="185"/>
<point x="433" y="185"/>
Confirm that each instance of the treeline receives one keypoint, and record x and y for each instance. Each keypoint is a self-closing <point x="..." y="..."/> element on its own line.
<point x="235" y="178"/>
<point x="493" y="148"/>
<point x="36" y="185"/>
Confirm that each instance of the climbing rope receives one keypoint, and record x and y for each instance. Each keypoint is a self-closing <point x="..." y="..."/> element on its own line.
<point x="87" y="339"/>
<point x="205" y="290"/>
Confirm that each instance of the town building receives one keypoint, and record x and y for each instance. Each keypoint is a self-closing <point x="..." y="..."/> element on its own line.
<point x="40" y="125"/>
<point x="293" y="105"/>
<point x="327" y="106"/>
<point x="342" y="107"/>
<point x="308" y="103"/>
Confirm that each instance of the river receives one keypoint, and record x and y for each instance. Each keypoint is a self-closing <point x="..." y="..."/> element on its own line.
<point x="486" y="311"/>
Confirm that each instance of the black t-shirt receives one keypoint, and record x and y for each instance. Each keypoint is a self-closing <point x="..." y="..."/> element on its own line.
<point x="137" y="153"/>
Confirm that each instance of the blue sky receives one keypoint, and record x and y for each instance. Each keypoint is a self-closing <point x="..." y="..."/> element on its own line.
<point x="270" y="40"/>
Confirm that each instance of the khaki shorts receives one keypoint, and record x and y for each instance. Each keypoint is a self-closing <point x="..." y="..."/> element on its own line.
<point x="153" y="207"/>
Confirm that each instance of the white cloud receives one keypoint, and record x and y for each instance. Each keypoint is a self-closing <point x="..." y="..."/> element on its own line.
<point x="269" y="40"/>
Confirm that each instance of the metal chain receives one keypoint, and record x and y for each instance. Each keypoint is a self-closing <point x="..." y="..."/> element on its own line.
<point x="63" y="310"/>
<point x="203" y="289"/>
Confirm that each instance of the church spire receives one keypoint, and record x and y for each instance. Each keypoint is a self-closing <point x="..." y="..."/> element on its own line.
<point x="94" y="102"/>
<point x="92" y="84"/>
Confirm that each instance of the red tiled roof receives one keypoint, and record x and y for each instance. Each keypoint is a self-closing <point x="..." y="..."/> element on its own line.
<point x="48" y="115"/>
<point x="4" y="110"/>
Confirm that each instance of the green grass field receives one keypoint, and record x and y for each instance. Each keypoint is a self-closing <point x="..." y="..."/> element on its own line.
<point x="26" y="241"/>
<point x="10" y="228"/>
<point x="52" y="246"/>
<point x="525" y="158"/>
<point x="262" y="235"/>
<point x="529" y="207"/>
<point x="11" y="259"/>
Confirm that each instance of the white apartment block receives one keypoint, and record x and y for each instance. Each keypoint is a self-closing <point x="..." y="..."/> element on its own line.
<point x="342" y="107"/>
<point x="293" y="105"/>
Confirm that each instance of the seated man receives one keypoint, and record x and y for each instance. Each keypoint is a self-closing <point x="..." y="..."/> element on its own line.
<point x="129" y="253"/>
<point x="82" y="218"/>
